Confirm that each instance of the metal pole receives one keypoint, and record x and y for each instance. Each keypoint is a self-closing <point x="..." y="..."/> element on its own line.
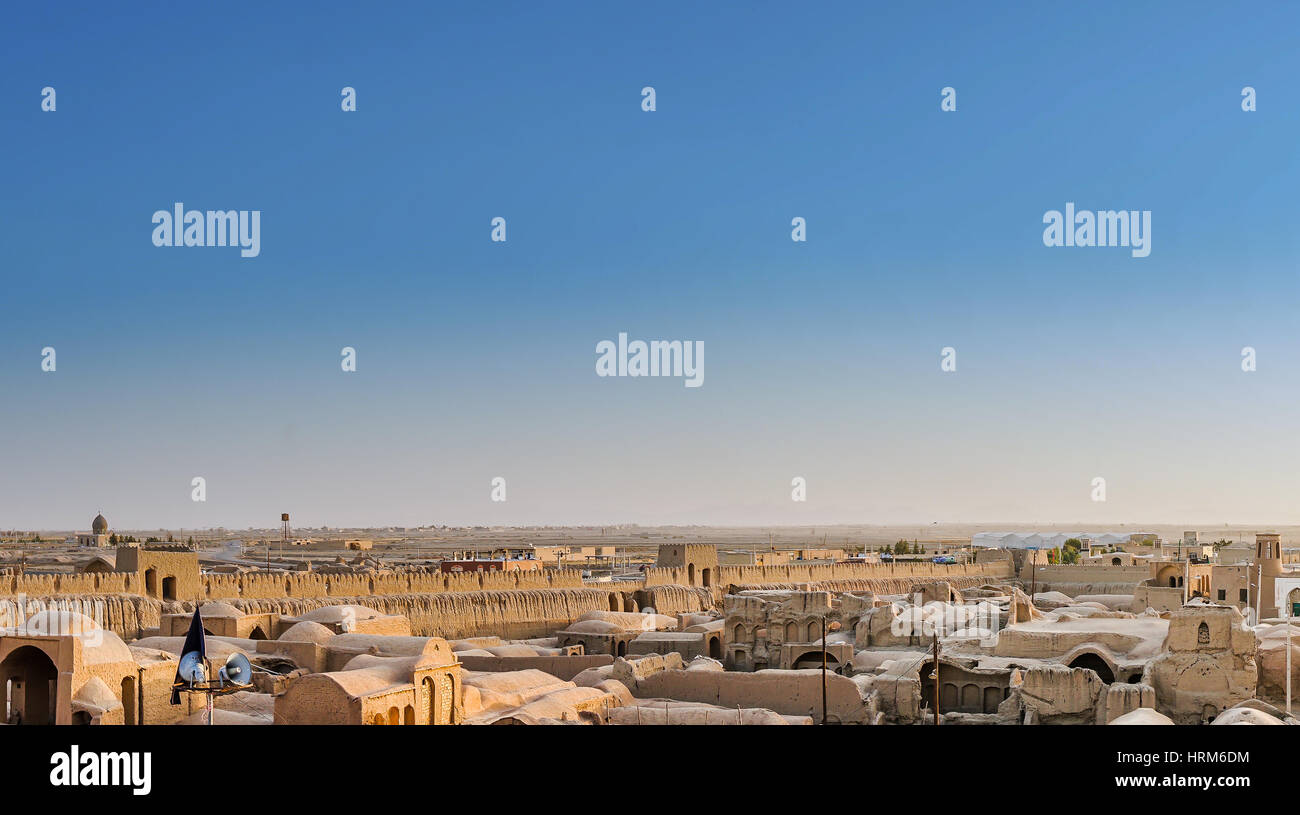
<point x="1259" y="590"/>
<point x="1033" y="570"/>
<point x="936" y="676"/>
<point x="823" y="670"/>
<point x="1288" y="657"/>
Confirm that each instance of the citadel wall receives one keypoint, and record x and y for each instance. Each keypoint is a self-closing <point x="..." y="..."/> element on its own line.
<point x="516" y="604"/>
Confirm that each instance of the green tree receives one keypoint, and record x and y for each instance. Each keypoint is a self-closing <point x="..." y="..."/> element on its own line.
<point x="1070" y="551"/>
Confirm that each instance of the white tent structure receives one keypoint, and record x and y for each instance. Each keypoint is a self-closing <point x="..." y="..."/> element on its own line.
<point x="1035" y="540"/>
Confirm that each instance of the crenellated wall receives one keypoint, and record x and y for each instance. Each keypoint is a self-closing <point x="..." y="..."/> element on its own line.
<point x="510" y="614"/>
<point x="37" y="585"/>
<point x="819" y="573"/>
<point x="272" y="585"/>
<point x="509" y="604"/>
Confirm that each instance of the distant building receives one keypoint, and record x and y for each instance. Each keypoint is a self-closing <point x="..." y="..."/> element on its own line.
<point x="98" y="535"/>
<point x="451" y="566"/>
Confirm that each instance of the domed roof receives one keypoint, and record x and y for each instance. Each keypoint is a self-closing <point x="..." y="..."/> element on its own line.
<point x="306" y="631"/>
<point x="99" y="526"/>
<point x="96" y="694"/>
<point x="338" y="614"/>
<point x="216" y="609"/>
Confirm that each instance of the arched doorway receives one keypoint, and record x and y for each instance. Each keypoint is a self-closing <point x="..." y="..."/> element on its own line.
<point x="707" y="577"/>
<point x="813" y="659"/>
<point x="992" y="698"/>
<point x="690" y="574"/>
<point x="430" y="700"/>
<point x="257" y="633"/>
<point x="1095" y="663"/>
<point x="30" y="686"/>
<point x="927" y="685"/>
<point x="151" y="582"/>
<point x="169" y="588"/>
<point x="715" y="648"/>
<point x="408" y="715"/>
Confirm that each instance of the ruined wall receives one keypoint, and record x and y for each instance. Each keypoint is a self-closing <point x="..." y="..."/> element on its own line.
<point x="673" y="599"/>
<point x="560" y="667"/>
<point x="877" y="585"/>
<point x="724" y="576"/>
<point x="455" y="608"/>
<point x="289" y="585"/>
<point x="46" y="585"/>
<point x="1160" y="598"/>
<point x="460" y="615"/>
<point x="791" y="693"/>
<point x="1087" y="579"/>
<point x="124" y="614"/>
<point x="269" y="585"/>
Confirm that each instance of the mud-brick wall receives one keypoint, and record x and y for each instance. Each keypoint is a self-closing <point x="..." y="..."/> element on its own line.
<point x="457" y="615"/>
<point x="816" y="573"/>
<point x="268" y="586"/>
<point x="124" y="614"/>
<point x="45" y="585"/>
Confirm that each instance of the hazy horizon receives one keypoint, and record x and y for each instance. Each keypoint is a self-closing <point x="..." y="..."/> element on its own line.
<point x="920" y="527"/>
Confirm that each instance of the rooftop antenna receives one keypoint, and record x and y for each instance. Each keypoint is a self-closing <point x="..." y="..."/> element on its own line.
<point x="284" y="535"/>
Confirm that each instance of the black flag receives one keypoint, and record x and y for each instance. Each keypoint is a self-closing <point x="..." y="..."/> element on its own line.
<point x="193" y="642"/>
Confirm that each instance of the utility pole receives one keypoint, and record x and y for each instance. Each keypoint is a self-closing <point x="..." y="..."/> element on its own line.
<point x="1259" y="590"/>
<point x="824" y="669"/>
<point x="1033" y="570"/>
<point x="936" y="676"/>
<point x="1288" y="656"/>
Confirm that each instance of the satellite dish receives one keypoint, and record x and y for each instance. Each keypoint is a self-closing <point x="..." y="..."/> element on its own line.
<point x="192" y="669"/>
<point x="238" y="670"/>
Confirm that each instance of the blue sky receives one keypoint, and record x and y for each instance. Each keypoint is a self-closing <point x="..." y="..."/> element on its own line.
<point x="476" y="359"/>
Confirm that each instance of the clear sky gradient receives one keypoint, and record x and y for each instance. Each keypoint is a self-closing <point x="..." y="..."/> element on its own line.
<point x="477" y="359"/>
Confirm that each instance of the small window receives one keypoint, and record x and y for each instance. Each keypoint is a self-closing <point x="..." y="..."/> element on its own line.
<point x="1223" y="594"/>
<point x="1244" y="596"/>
